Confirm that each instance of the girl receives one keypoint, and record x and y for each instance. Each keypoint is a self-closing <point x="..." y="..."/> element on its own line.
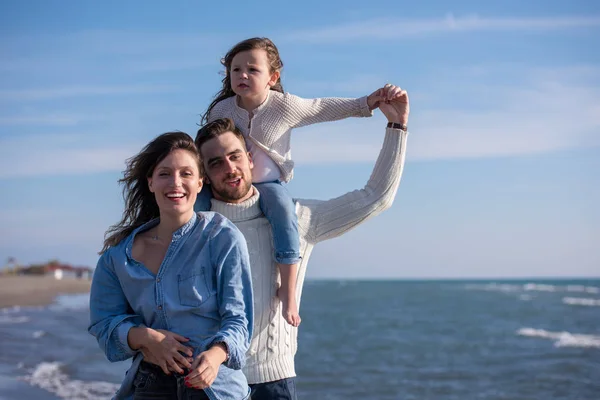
<point x="253" y="97"/>
<point x="172" y="289"/>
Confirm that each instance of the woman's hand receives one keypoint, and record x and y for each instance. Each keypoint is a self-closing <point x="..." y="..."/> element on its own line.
<point x="205" y="368"/>
<point x="162" y="348"/>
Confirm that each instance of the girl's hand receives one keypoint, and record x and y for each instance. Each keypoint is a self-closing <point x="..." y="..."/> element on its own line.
<point x="395" y="104"/>
<point x="205" y="368"/>
<point x="385" y="94"/>
<point x="165" y="349"/>
<point x="374" y="99"/>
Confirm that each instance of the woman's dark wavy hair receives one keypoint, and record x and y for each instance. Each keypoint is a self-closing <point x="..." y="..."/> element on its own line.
<point x="249" y="44"/>
<point x="140" y="203"/>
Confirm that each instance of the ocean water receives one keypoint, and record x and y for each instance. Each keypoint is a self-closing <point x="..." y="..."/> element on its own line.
<point x="492" y="340"/>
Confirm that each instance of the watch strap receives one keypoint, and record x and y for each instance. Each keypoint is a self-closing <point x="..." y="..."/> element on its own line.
<point x="395" y="125"/>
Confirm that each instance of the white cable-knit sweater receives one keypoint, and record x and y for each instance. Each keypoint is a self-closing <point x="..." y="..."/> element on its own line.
<point x="274" y="342"/>
<point x="271" y="125"/>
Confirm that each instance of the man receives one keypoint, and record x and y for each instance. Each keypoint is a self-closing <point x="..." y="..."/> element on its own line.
<point x="270" y="362"/>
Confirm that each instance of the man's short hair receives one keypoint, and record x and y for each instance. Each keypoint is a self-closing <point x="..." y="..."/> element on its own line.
<point x="215" y="129"/>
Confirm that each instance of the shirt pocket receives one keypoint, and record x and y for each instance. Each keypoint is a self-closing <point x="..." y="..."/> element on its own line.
<point x="194" y="289"/>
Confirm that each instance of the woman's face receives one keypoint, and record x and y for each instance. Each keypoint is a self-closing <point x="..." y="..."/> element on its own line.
<point x="176" y="182"/>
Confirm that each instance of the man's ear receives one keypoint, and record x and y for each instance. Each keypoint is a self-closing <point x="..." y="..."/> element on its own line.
<point x="205" y="179"/>
<point x="250" y="161"/>
<point x="274" y="77"/>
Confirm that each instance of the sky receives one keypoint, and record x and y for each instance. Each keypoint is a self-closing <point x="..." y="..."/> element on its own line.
<point x="502" y="177"/>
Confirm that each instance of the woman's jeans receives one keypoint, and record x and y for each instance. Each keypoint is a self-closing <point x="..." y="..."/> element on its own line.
<point x="151" y="383"/>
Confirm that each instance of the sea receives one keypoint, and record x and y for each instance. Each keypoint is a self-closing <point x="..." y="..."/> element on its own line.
<point x="491" y="340"/>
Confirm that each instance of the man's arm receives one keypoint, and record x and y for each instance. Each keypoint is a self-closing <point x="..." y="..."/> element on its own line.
<point x="322" y="220"/>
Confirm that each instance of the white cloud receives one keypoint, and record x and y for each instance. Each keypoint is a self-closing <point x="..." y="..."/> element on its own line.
<point x="395" y="28"/>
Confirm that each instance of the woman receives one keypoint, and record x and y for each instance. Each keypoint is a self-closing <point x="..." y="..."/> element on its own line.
<point x="172" y="288"/>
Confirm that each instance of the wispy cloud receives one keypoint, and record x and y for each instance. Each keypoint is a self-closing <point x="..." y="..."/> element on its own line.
<point x="394" y="28"/>
<point x="45" y="120"/>
<point x="538" y="117"/>
<point x="545" y="112"/>
<point x="81" y="91"/>
<point x="62" y="155"/>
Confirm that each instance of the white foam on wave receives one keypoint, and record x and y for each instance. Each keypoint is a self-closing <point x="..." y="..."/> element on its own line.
<point x="562" y="339"/>
<point x="51" y="377"/>
<point x="17" y="309"/>
<point x="13" y="319"/>
<point x="69" y="302"/>
<point x="584" y="289"/>
<point x="580" y="301"/>
<point x="533" y="287"/>
<point x="538" y="287"/>
<point x="38" y="334"/>
<point x="495" y="287"/>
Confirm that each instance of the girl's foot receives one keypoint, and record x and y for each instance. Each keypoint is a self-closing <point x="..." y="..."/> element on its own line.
<point x="289" y="309"/>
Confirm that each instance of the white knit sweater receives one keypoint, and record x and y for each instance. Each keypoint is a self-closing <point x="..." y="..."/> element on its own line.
<point x="274" y="342"/>
<point x="271" y="125"/>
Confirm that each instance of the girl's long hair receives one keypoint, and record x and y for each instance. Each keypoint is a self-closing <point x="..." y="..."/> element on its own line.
<point x="275" y="64"/>
<point x="140" y="203"/>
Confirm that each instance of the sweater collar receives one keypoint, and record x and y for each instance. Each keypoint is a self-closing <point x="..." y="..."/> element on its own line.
<point x="245" y="114"/>
<point x="238" y="212"/>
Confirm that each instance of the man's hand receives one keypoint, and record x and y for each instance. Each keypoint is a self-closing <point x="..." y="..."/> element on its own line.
<point x="162" y="348"/>
<point x="395" y="104"/>
<point x="205" y="368"/>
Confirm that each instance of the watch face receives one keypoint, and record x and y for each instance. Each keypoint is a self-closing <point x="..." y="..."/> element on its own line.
<point x="395" y="125"/>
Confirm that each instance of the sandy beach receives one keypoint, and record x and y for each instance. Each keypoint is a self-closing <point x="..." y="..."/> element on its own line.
<point x="37" y="290"/>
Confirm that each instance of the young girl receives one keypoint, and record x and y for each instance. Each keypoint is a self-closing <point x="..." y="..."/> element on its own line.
<point x="253" y="97"/>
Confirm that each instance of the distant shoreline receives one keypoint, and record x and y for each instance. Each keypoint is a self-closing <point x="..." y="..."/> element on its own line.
<point x="37" y="290"/>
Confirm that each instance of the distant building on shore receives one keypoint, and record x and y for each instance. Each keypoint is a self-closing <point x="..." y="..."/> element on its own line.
<point x="53" y="267"/>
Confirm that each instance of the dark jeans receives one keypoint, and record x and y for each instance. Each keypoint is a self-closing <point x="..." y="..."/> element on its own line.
<point x="283" y="389"/>
<point x="151" y="383"/>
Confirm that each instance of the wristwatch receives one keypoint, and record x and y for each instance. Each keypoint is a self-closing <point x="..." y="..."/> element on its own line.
<point x="395" y="125"/>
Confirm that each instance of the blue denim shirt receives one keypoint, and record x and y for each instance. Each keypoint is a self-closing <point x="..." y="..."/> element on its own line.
<point x="203" y="291"/>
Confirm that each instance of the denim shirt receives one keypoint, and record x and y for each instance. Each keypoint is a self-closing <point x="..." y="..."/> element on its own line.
<point x="203" y="291"/>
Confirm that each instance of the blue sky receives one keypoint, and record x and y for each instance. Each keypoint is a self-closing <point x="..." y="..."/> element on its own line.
<point x="503" y="168"/>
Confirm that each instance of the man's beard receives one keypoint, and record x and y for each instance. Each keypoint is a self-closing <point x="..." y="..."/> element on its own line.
<point x="231" y="194"/>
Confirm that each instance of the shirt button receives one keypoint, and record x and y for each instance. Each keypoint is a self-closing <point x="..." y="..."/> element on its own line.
<point x="157" y="279"/>
<point x="160" y="307"/>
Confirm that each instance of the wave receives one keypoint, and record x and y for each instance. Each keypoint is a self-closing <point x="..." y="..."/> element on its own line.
<point x="10" y="319"/>
<point x="51" y="377"/>
<point x="581" y="288"/>
<point x="70" y="302"/>
<point x="580" y="301"/>
<point x="495" y="287"/>
<point x="538" y="287"/>
<point x="562" y="339"/>
<point x="533" y="287"/>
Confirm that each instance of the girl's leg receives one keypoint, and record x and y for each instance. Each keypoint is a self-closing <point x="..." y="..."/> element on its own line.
<point x="280" y="210"/>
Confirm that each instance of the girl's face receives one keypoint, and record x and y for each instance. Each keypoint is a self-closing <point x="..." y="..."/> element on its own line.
<point x="176" y="183"/>
<point x="251" y="75"/>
